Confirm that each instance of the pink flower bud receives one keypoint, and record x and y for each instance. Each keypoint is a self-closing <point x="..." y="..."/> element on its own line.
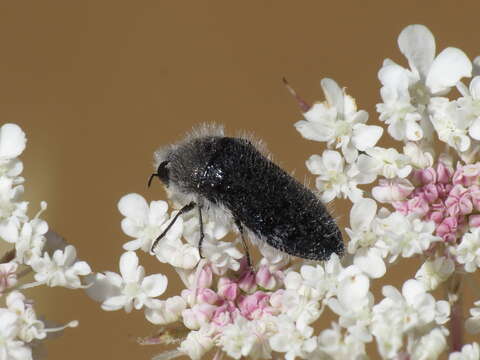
<point x="475" y="196"/>
<point x="247" y="282"/>
<point x="392" y="190"/>
<point x="253" y="306"/>
<point x="444" y="173"/>
<point x="225" y="314"/>
<point x="430" y="193"/>
<point x="205" y="277"/>
<point x="418" y="205"/>
<point x="467" y="175"/>
<point x="459" y="201"/>
<point x="447" y="228"/>
<point x="8" y="275"/>
<point x="265" y="278"/>
<point x="437" y="212"/>
<point x="227" y="288"/>
<point x="207" y="296"/>
<point x="425" y="176"/>
<point x="200" y="314"/>
<point x="474" y="220"/>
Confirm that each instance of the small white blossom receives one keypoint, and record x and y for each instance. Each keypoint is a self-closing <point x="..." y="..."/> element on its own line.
<point x="337" y="122"/>
<point x="334" y="178"/>
<point x="468" y="251"/>
<point x="62" y="269"/>
<point x="11" y="348"/>
<point x="429" y="346"/>
<point x="469" y="104"/>
<point x="131" y="289"/>
<point x="197" y="343"/>
<point x="12" y="144"/>
<point x="291" y="340"/>
<point x="407" y="93"/>
<point x="332" y="344"/>
<point x="8" y="275"/>
<point x="450" y="123"/>
<point x="162" y="312"/>
<point x="238" y="339"/>
<point x="388" y="163"/>
<point x="405" y="235"/>
<point x="142" y="222"/>
<point x="29" y="327"/>
<point x="469" y="352"/>
<point x="473" y="322"/>
<point x="434" y="272"/>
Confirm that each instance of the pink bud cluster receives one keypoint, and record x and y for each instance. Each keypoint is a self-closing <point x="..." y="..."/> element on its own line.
<point x="449" y="198"/>
<point x="248" y="296"/>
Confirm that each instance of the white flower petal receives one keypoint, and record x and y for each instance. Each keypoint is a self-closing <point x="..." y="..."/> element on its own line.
<point x="447" y="69"/>
<point x="475" y="88"/>
<point x="12" y="141"/>
<point x="129" y="266"/>
<point x="155" y="285"/>
<point x="417" y="43"/>
<point x="366" y="136"/>
<point x="133" y="205"/>
<point x="334" y="95"/>
<point x="362" y="214"/>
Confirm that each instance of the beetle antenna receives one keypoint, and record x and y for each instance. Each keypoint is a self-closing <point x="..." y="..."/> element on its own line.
<point x="150" y="179"/>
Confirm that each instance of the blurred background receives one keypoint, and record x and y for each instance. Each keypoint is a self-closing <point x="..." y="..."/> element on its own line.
<point x="99" y="85"/>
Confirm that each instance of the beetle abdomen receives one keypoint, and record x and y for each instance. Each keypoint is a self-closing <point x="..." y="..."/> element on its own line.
<point x="268" y="201"/>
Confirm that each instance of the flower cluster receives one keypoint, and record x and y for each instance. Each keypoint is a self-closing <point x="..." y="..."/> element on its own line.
<point x="417" y="203"/>
<point x="32" y="248"/>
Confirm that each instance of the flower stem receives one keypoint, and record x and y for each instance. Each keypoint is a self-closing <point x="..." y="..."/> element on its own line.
<point x="456" y="318"/>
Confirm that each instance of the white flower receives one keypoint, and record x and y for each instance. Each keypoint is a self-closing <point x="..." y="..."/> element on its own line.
<point x="10" y="347"/>
<point x="334" y="179"/>
<point x="386" y="162"/>
<point x="434" y="272"/>
<point x="12" y="210"/>
<point x="8" y="275"/>
<point x="362" y="216"/>
<point x="12" y="144"/>
<point x="468" y="251"/>
<point x="29" y="327"/>
<point x="429" y="346"/>
<point x="450" y="123"/>
<point x="130" y="289"/>
<point x="404" y="235"/>
<point x="470" y="105"/>
<point x="473" y="322"/>
<point x="62" y="269"/>
<point x="338" y="346"/>
<point x="197" y="344"/>
<point x="142" y="222"/>
<point x="290" y="340"/>
<point x="469" y="352"/>
<point x="406" y="93"/>
<point x="338" y="122"/>
<point x="30" y="240"/>
<point x="162" y="312"/>
<point x="238" y="339"/>
<point x="419" y="157"/>
<point x="406" y="311"/>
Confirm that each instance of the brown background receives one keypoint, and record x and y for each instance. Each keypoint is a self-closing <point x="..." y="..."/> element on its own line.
<point x="98" y="85"/>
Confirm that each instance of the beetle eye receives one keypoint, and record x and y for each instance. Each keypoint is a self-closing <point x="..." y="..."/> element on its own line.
<point x="163" y="172"/>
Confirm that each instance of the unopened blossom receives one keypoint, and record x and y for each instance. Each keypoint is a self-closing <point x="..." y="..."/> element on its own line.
<point x="469" y="352"/>
<point x="337" y="122"/>
<point x="8" y="275"/>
